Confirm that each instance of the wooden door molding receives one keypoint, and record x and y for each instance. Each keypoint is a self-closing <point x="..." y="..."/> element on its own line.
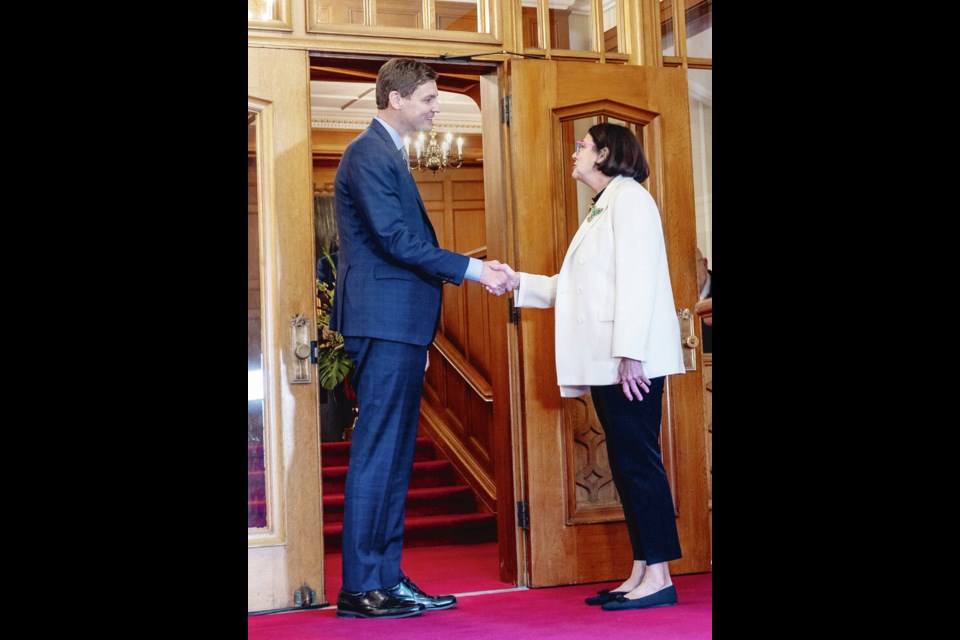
<point x="288" y="552"/>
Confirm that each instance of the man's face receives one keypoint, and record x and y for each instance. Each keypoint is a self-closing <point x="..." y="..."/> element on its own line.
<point x="417" y="109"/>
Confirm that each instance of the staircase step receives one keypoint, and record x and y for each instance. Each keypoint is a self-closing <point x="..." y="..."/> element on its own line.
<point x="256" y="513"/>
<point x="256" y="485"/>
<point x="427" y="531"/>
<point x="426" y="473"/>
<point x="255" y="457"/>
<point x="425" y="501"/>
<point x="438" y="511"/>
<point x="337" y="454"/>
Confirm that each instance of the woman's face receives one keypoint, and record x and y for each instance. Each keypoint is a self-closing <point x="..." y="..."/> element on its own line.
<point x="585" y="158"/>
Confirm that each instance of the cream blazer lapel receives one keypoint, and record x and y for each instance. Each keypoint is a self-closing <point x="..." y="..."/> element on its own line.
<point x="612" y="189"/>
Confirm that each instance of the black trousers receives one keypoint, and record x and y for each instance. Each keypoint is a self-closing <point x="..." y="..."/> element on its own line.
<point x="632" y="431"/>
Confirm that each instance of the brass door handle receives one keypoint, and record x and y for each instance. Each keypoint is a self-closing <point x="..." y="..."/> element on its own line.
<point x="688" y="339"/>
<point x="300" y="334"/>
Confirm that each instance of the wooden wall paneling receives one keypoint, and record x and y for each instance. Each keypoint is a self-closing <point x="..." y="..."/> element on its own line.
<point x="433" y="378"/>
<point x="482" y="418"/>
<point x="708" y="435"/>
<point x="610" y="40"/>
<point x="455" y="400"/>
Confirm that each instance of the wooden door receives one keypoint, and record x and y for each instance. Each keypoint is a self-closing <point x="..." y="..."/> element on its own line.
<point x="284" y="529"/>
<point x="576" y="530"/>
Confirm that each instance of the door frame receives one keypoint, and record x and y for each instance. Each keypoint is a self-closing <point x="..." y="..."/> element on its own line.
<point x="288" y="552"/>
<point x="511" y="547"/>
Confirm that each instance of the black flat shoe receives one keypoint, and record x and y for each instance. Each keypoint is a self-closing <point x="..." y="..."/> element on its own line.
<point x="374" y="604"/>
<point x="410" y="592"/>
<point x="603" y="597"/>
<point x="666" y="597"/>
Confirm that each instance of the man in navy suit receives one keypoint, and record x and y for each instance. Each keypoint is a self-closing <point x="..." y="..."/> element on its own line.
<point x="389" y="280"/>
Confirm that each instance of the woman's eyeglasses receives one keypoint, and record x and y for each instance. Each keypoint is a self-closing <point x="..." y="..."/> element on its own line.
<point x="580" y="144"/>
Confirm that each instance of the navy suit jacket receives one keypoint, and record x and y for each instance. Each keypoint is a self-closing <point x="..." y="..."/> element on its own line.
<point x="390" y="270"/>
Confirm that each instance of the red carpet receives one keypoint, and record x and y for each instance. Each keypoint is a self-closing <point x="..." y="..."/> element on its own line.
<point x="556" y="613"/>
<point x="477" y="569"/>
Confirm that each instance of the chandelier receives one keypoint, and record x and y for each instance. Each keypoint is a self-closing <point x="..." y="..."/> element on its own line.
<point x="433" y="155"/>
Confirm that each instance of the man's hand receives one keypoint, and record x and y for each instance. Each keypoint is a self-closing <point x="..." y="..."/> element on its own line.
<point x="631" y="378"/>
<point x="492" y="279"/>
<point x="513" y="278"/>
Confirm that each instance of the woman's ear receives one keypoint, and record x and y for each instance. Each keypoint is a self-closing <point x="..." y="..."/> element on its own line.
<point x="602" y="155"/>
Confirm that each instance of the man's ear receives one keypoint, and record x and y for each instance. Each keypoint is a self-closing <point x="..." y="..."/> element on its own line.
<point x="394" y="99"/>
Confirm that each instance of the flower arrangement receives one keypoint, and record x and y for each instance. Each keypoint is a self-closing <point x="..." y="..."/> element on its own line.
<point x="333" y="364"/>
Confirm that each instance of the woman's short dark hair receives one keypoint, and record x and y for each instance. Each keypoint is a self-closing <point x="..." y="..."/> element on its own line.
<point x="624" y="153"/>
<point x="403" y="75"/>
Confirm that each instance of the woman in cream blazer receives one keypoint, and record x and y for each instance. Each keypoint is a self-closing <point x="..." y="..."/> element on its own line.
<point x="617" y="338"/>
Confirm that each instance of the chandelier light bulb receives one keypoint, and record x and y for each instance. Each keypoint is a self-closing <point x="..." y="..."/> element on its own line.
<point x="435" y="155"/>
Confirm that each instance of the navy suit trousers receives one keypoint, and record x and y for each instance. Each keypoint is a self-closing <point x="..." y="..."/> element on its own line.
<point x="632" y="431"/>
<point x="388" y="379"/>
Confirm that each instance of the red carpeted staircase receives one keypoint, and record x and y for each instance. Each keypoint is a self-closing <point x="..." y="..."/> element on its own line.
<point x="256" y="487"/>
<point x="439" y="510"/>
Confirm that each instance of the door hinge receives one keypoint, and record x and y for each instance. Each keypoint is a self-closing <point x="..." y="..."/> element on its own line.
<point x="514" y="312"/>
<point x="505" y="110"/>
<point x="523" y="515"/>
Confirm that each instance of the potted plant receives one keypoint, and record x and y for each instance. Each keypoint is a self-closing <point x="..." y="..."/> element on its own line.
<point x="333" y="364"/>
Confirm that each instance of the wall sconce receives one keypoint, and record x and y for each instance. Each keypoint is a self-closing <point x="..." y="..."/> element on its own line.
<point x="433" y="155"/>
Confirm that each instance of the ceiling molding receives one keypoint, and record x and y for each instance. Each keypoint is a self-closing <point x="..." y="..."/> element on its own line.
<point x="361" y="123"/>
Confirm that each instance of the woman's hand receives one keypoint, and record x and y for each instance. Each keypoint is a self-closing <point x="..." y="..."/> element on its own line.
<point x="513" y="278"/>
<point x="631" y="378"/>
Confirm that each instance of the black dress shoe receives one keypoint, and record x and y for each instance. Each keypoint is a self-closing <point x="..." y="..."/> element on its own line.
<point x="374" y="604"/>
<point x="603" y="597"/>
<point x="666" y="597"/>
<point x="406" y="590"/>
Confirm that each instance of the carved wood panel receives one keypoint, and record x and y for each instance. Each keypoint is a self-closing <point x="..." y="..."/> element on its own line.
<point x="591" y="493"/>
<point x="592" y="496"/>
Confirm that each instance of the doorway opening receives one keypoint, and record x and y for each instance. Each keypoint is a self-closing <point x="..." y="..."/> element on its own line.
<point x="457" y="485"/>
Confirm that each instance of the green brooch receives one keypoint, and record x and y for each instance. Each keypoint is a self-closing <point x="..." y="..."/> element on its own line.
<point x="594" y="212"/>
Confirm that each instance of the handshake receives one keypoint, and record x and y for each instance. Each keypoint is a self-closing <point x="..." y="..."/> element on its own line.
<point x="498" y="278"/>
